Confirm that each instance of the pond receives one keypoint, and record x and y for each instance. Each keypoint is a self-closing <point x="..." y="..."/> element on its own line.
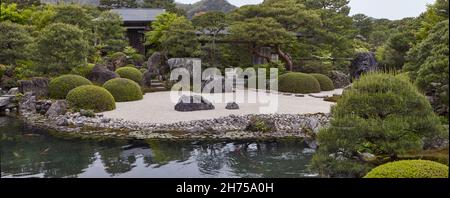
<point x="31" y="152"/>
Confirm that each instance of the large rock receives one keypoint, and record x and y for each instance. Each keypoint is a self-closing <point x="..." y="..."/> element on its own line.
<point x="4" y="101"/>
<point x="340" y="80"/>
<point x="28" y="103"/>
<point x="37" y="85"/>
<point x="363" y="63"/>
<point x="187" y="63"/>
<point x="58" y="108"/>
<point x="147" y="80"/>
<point x="154" y="62"/>
<point x="100" y="74"/>
<point x="118" y="62"/>
<point x="213" y="81"/>
<point x="193" y="103"/>
<point x="232" y="106"/>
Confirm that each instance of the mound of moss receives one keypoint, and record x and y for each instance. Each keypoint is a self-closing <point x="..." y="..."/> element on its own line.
<point x="60" y="86"/>
<point x="91" y="97"/>
<point x="298" y="83"/>
<point x="326" y="84"/>
<point x="410" y="169"/>
<point x="123" y="89"/>
<point x="130" y="73"/>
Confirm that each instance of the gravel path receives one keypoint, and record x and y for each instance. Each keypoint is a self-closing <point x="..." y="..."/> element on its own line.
<point x="159" y="108"/>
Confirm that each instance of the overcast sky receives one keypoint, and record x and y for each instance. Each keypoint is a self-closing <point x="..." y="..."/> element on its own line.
<point x="391" y="9"/>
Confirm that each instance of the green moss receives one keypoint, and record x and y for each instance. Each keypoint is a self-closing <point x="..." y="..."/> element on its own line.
<point x="60" y="86"/>
<point x="91" y="97"/>
<point x="130" y="73"/>
<point x="410" y="169"/>
<point x="326" y="84"/>
<point x="83" y="70"/>
<point x="124" y="90"/>
<point x="298" y="83"/>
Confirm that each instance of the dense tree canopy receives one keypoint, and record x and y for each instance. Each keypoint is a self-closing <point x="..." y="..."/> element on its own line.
<point x="110" y="32"/>
<point x="15" y="41"/>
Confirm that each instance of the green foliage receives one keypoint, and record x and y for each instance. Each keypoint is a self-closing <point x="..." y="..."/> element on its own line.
<point x="319" y="67"/>
<point x="110" y="32"/>
<point x="325" y="83"/>
<point x="259" y="124"/>
<point x="298" y="83"/>
<point x="91" y="97"/>
<point x="9" y="12"/>
<point x="15" y="41"/>
<point x="123" y="89"/>
<point x="73" y="14"/>
<point x="84" y="70"/>
<point x="435" y="14"/>
<point x="180" y="40"/>
<point x="59" y="87"/>
<point x="162" y="23"/>
<point x="2" y="70"/>
<point x="410" y="169"/>
<point x="130" y="73"/>
<point x="24" y="69"/>
<point x="111" y="4"/>
<point x="428" y="63"/>
<point x="138" y="59"/>
<point x="87" y="113"/>
<point x="59" y="48"/>
<point x="143" y="70"/>
<point x="381" y="114"/>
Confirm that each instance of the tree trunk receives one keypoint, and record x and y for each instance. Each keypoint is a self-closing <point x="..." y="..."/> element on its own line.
<point x="256" y="51"/>
<point x="286" y="58"/>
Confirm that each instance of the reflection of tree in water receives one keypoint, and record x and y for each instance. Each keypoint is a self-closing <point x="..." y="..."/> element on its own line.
<point x="115" y="163"/>
<point x="163" y="152"/>
<point x="211" y="158"/>
<point x="270" y="159"/>
<point x="28" y="151"/>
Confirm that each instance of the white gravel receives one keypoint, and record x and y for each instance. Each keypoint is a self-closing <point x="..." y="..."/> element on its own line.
<point x="159" y="108"/>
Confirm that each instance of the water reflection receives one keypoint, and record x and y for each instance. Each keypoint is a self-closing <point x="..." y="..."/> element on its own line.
<point x="28" y="152"/>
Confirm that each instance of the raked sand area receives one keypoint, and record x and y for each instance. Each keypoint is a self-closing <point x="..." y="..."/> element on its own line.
<point x="159" y="108"/>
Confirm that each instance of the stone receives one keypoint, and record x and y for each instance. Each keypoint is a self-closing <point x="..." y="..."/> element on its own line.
<point x="28" y="103"/>
<point x="154" y="62"/>
<point x="318" y="96"/>
<point x="62" y="122"/>
<point x="299" y="95"/>
<point x="105" y="120"/>
<point x="363" y="63"/>
<point x="193" y="103"/>
<point x="340" y="79"/>
<point x="215" y="82"/>
<point x="367" y="157"/>
<point x="147" y="80"/>
<point x="13" y="91"/>
<point x="100" y="74"/>
<point x="37" y="85"/>
<point x="57" y="108"/>
<point x="118" y="62"/>
<point x="4" y="101"/>
<point x="187" y="63"/>
<point x="232" y="106"/>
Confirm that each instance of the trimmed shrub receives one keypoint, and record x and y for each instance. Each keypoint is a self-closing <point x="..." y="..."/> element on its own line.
<point x="130" y="73"/>
<point x="124" y="90"/>
<point x="298" y="83"/>
<point x="91" y="97"/>
<point x="143" y="70"/>
<point x="60" y="86"/>
<point x="117" y="55"/>
<point x="410" y="169"/>
<point x="83" y="70"/>
<point x="381" y="114"/>
<point x="138" y="59"/>
<point x="325" y="83"/>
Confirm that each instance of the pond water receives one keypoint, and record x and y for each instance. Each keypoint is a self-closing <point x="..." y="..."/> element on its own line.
<point x="29" y="152"/>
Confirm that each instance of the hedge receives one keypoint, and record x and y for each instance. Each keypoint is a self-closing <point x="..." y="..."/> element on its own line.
<point x="124" y="90"/>
<point x="410" y="169"/>
<point x="130" y="73"/>
<point x="326" y="84"/>
<point x="298" y="83"/>
<point x="91" y="97"/>
<point x="60" y="86"/>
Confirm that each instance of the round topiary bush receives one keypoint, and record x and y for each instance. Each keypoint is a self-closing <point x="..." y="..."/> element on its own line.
<point x="130" y="73"/>
<point x="326" y="84"/>
<point x="60" y="86"/>
<point x="124" y="90"/>
<point x="381" y="114"/>
<point x="298" y="83"/>
<point x="91" y="97"/>
<point x="410" y="169"/>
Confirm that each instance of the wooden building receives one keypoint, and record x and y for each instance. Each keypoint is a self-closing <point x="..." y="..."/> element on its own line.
<point x="137" y="22"/>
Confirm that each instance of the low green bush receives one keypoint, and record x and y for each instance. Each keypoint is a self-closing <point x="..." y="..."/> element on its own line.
<point x="2" y="70"/>
<point x="91" y="97"/>
<point x="143" y="70"/>
<point x="298" y="83"/>
<point x="123" y="89"/>
<point x="259" y="124"/>
<point x="59" y="87"/>
<point x="84" y="70"/>
<point x="326" y="84"/>
<point x="130" y="73"/>
<point x="381" y="114"/>
<point x="410" y="169"/>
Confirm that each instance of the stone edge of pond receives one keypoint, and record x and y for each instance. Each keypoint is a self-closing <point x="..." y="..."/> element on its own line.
<point x="286" y="126"/>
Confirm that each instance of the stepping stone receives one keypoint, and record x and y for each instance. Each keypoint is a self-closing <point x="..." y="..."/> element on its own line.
<point x="287" y="94"/>
<point x="157" y="84"/>
<point x="300" y="95"/>
<point x="318" y="96"/>
<point x="159" y="89"/>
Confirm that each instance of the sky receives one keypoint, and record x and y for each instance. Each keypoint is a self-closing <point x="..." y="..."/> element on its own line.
<point x="390" y="9"/>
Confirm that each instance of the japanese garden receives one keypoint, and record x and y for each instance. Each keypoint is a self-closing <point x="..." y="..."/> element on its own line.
<point x="283" y="88"/>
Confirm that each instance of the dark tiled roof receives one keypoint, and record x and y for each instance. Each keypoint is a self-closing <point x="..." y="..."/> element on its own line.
<point x="130" y="14"/>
